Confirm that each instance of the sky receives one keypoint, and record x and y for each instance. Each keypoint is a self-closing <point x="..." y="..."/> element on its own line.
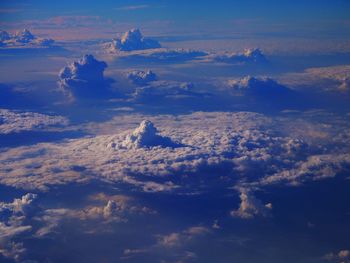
<point x="174" y="131"/>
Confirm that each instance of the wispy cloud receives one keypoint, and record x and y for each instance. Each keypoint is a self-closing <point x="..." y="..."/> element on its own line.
<point x="10" y="10"/>
<point x="132" y="7"/>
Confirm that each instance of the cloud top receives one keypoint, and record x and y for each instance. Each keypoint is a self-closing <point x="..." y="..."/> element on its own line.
<point x="146" y="135"/>
<point x="84" y="78"/>
<point x="133" y="40"/>
<point x="141" y="78"/>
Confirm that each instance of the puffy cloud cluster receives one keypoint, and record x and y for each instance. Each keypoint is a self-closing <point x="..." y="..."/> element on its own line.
<point x="85" y="79"/>
<point x="14" y="121"/>
<point x="23" y="218"/>
<point x="132" y="40"/>
<point x="251" y="207"/>
<point x="13" y="224"/>
<point x="23" y="38"/>
<point x="248" y="56"/>
<point x="141" y="78"/>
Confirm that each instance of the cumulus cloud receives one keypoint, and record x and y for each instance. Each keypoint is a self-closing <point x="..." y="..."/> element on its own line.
<point x="132" y="40"/>
<point x="141" y="78"/>
<point x="250" y="206"/>
<point x="85" y="79"/>
<point x="15" y="121"/>
<point x="146" y="136"/>
<point x="261" y="87"/>
<point x="248" y="56"/>
<point x="23" y="39"/>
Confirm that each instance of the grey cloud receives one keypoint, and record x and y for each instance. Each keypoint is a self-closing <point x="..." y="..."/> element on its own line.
<point x="261" y="87"/>
<point x="85" y="79"/>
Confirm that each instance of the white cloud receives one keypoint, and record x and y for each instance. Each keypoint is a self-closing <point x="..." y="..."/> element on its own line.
<point x="242" y="145"/>
<point x="177" y="239"/>
<point x="250" y="206"/>
<point x="248" y="56"/>
<point x="132" y="40"/>
<point x="13" y="224"/>
<point x="343" y="256"/>
<point x="15" y="121"/>
<point x="161" y="55"/>
<point x="165" y="90"/>
<point x="141" y="78"/>
<point x="23" y="39"/>
<point x="146" y="136"/>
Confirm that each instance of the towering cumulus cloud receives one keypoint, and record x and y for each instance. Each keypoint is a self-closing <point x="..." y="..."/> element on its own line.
<point x="84" y="79"/>
<point x="146" y="136"/>
<point x="133" y="40"/>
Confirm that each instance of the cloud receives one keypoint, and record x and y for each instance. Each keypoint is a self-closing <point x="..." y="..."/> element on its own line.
<point x="16" y="121"/>
<point x="238" y="144"/>
<point x="141" y="78"/>
<point x="177" y="239"/>
<point x="162" y="55"/>
<point x="13" y="225"/>
<point x="146" y="136"/>
<point x="166" y="90"/>
<point x="132" y="40"/>
<point x="248" y="56"/>
<point x="260" y="87"/>
<point x="343" y="256"/>
<point x="85" y="79"/>
<point x="132" y="7"/>
<point x="251" y="207"/>
<point x="23" y="39"/>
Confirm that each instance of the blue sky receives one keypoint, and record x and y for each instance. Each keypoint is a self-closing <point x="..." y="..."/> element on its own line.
<point x="185" y="10"/>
